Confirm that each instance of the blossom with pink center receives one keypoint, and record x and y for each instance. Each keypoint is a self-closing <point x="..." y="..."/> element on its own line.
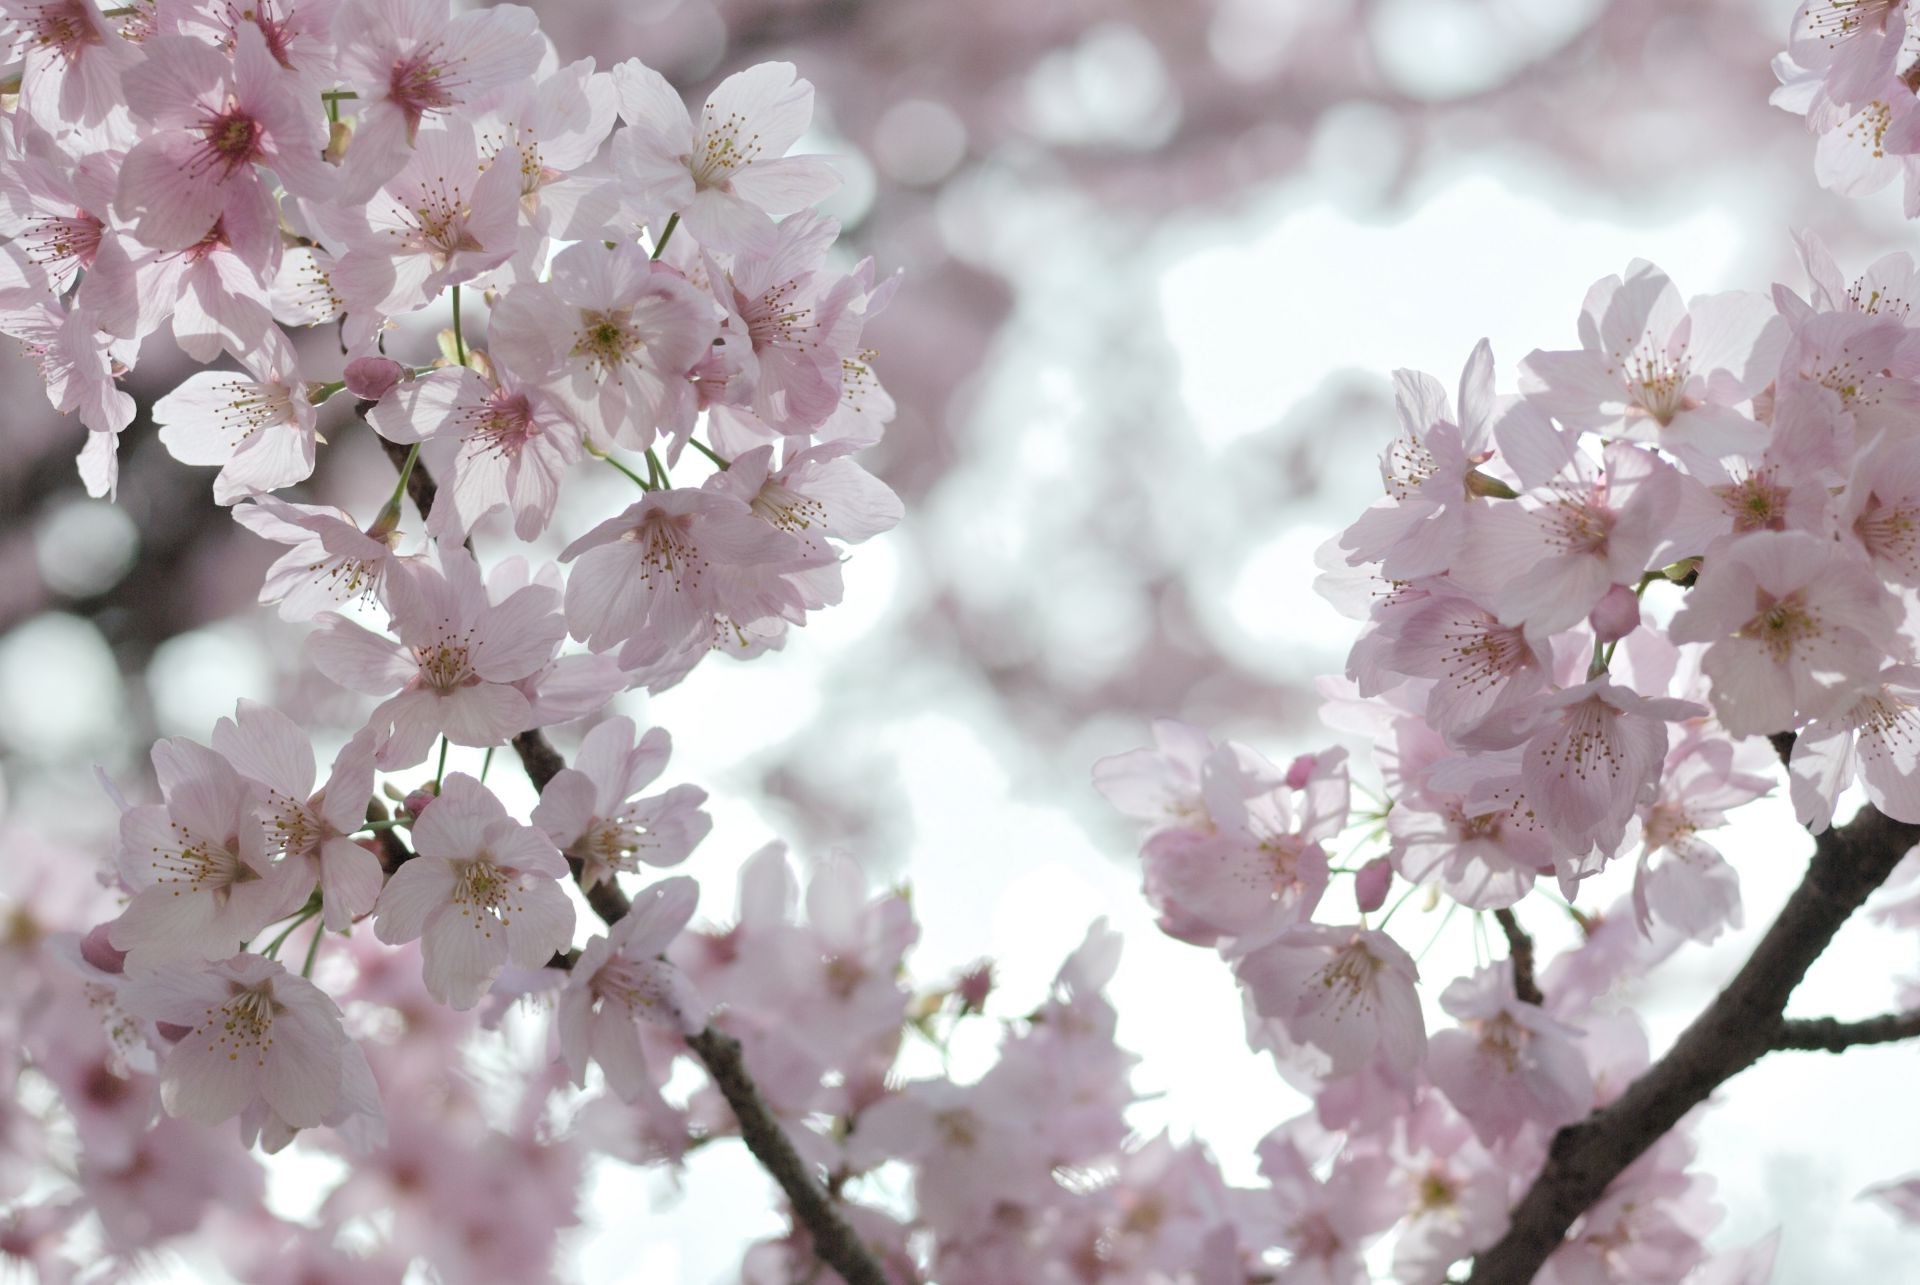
<point x="1160" y="786"/>
<point x="620" y="981"/>
<point x="590" y="812"/>
<point x="1507" y="1065"/>
<point x="1681" y="880"/>
<point x="1546" y="560"/>
<point x="1881" y="508"/>
<point x="77" y="365"/>
<point x="726" y="175"/>
<point x="547" y="129"/>
<point x="1481" y="669"/>
<point x="1481" y="841"/>
<point x="214" y="123"/>
<point x="453" y="670"/>
<point x="1853" y="46"/>
<point x="297" y="33"/>
<point x="483" y="891"/>
<point x="207" y="295"/>
<point x="654" y="576"/>
<point x="445" y="218"/>
<point x="1888" y="286"/>
<point x="262" y="1044"/>
<point x="1594" y="757"/>
<point x="1343" y="995"/>
<point x="1649" y="1225"/>
<point x="331" y="562"/>
<point x="414" y="60"/>
<point x="509" y="444"/>
<point x="1867" y="361"/>
<point x="1797" y="629"/>
<point x="198" y="864"/>
<point x="1788" y="486"/>
<point x="1875" y="741"/>
<point x="56" y="211"/>
<point x="816" y="494"/>
<point x="1327" y="1225"/>
<point x="257" y="426"/>
<point x="614" y="336"/>
<point x="1427" y="469"/>
<point x="308" y="827"/>
<point x="1651" y="368"/>
<point x="71" y="60"/>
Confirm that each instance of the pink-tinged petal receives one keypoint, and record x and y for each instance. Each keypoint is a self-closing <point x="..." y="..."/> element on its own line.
<point x="659" y="914"/>
<point x="540" y="925"/>
<point x="406" y="728"/>
<point x="573" y="1014"/>
<point x="178" y="994"/>
<point x="608" y="593"/>
<point x="301" y="1076"/>
<point x="358" y="659"/>
<point x="197" y="419"/>
<point x="516" y="637"/>
<point x="788" y="184"/>
<point x="524" y="848"/>
<point x="649" y="103"/>
<point x="1579" y="387"/>
<point x="728" y="223"/>
<point x="616" y="1047"/>
<point x="413" y="892"/>
<point x="769" y="100"/>
<point x="169" y="197"/>
<point x="350" y="882"/>
<point x="343" y="801"/>
<point x="1751" y="693"/>
<point x="483" y="715"/>
<point x="1822" y="766"/>
<point x="266" y="746"/>
<point x="205" y="1081"/>
<point x="160" y="923"/>
<point x="463" y="954"/>
<point x="566" y="806"/>
<point x="428" y="406"/>
<point x="455" y="825"/>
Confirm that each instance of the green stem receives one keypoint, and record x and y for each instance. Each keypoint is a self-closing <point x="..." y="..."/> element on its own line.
<point x="440" y="772"/>
<point x="486" y="763"/>
<point x="273" y="947"/>
<point x="673" y="221"/>
<point x="313" y="951"/>
<point x="335" y="95"/>
<point x="392" y="509"/>
<point x="639" y="481"/>
<point x="656" y="470"/>
<point x="459" y="343"/>
<point x="700" y="446"/>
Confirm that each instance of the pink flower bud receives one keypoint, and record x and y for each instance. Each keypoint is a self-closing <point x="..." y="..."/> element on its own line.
<point x="1300" y="771"/>
<point x="97" y="950"/>
<point x="1371" y="884"/>
<point x="373" y="377"/>
<point x="171" y="1033"/>
<point x="417" y="800"/>
<point x="1617" y="615"/>
<point x="974" y="986"/>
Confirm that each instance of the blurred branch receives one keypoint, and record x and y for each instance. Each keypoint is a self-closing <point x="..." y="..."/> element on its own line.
<point x="1830" y="1035"/>
<point x="1520" y="950"/>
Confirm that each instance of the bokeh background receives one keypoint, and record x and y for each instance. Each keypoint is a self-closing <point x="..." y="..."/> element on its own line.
<point x="1160" y="256"/>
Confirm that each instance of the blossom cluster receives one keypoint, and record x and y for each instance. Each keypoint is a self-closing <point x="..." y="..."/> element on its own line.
<point x="1593" y="607"/>
<point x="1849" y="70"/>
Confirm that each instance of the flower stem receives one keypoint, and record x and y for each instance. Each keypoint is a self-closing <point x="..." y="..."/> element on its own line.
<point x="313" y="951"/>
<point x="440" y="772"/>
<point x="700" y="446"/>
<point x="656" y="471"/>
<point x="673" y="221"/>
<point x="459" y="343"/>
<point x="273" y="947"/>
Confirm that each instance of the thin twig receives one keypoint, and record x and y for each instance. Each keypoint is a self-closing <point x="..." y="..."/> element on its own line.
<point x="1520" y="950"/>
<point x="1830" y="1035"/>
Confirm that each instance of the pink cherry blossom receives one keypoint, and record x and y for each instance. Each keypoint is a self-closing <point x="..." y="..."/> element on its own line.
<point x="483" y="891"/>
<point x="726" y="175"/>
<point x="259" y="427"/>
<point x="590" y="812"/>
<point x="77" y="364"/>
<point x="613" y="336"/>
<point x="1653" y="369"/>
<point x="620" y="980"/>
<point x="1508" y="1065"/>
<point x="1876" y="741"/>
<point x="1796" y="630"/>
<point x="202" y="878"/>
<point x="453" y="669"/>
<point x="261" y="1044"/>
<point x="72" y="59"/>
<point x="330" y="563"/>
<point x="1346" y="994"/>
<point x="1682" y="880"/>
<point x="308" y="827"/>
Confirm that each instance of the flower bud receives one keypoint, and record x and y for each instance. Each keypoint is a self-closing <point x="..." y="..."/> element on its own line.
<point x="373" y="377"/>
<point x="1617" y="615"/>
<point x="97" y="949"/>
<point x="417" y="801"/>
<point x="1371" y="884"/>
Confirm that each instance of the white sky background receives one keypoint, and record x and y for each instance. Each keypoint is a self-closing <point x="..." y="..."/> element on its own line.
<point x="1262" y="309"/>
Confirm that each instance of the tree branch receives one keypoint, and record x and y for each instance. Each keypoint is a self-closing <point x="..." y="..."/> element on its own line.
<point x="1520" y="951"/>
<point x="835" y="1242"/>
<point x="1741" y="1025"/>
<point x="1830" y="1035"/>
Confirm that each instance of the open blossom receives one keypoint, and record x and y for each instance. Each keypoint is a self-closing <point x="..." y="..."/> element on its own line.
<point x="494" y="441"/>
<point x="330" y="563"/>
<point x="216" y="122"/>
<point x="258" y="426"/>
<point x="202" y="877"/>
<point x="1875" y="741"/>
<point x="483" y="891"/>
<point x="1796" y="630"/>
<point x="1682" y="880"/>
<point x="614" y="336"/>
<point x="261" y="1043"/>
<point x="445" y="218"/>
<point x="1508" y="1064"/>
<point x="308" y="827"/>
<point x="1346" y="993"/>
<point x="1651" y="368"/>
<point x="621" y="980"/>
<point x="77" y="365"/>
<point x="452" y="671"/>
<point x="1327" y="1225"/>
<point x="1594" y="758"/>
<point x="726" y="175"/>
<point x="411" y="61"/>
<point x="1866" y="362"/>
<point x="1882" y="508"/>
<point x="1548" y="559"/>
<point x="1481" y="669"/>
<point x="659" y="572"/>
<point x="590" y="812"/>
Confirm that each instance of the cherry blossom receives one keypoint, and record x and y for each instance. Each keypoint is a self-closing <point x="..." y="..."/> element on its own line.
<point x="258" y="427"/>
<point x="619" y="980"/>
<point x="482" y="892"/>
<point x="1507" y="1065"/>
<point x="590" y="812"/>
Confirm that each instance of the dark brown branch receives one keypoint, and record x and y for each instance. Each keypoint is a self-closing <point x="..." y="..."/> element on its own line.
<point x="835" y="1242"/>
<point x="1830" y="1035"/>
<point x="1741" y="1025"/>
<point x="1520" y="951"/>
